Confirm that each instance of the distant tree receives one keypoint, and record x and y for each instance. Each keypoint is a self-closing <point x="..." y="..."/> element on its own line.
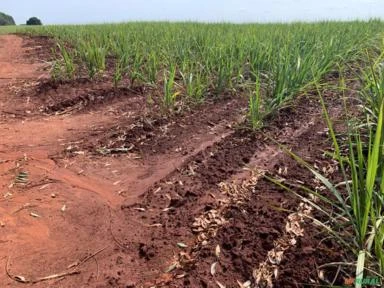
<point x="6" y="19"/>
<point x="34" y="21"/>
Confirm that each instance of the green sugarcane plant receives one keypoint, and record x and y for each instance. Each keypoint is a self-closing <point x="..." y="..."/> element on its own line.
<point x="357" y="203"/>
<point x="68" y="61"/>
<point x="170" y="95"/>
<point x="255" y="114"/>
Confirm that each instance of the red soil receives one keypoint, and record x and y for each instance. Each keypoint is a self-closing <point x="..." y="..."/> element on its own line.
<point x="119" y="216"/>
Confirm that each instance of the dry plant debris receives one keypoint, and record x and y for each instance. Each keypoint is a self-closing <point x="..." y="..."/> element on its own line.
<point x="269" y="269"/>
<point x="207" y="224"/>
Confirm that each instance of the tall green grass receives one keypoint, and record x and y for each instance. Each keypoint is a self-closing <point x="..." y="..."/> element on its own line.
<point x="255" y="109"/>
<point x="216" y="59"/>
<point x="355" y="210"/>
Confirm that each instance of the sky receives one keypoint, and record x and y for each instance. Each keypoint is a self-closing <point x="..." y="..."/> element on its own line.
<point x="98" y="11"/>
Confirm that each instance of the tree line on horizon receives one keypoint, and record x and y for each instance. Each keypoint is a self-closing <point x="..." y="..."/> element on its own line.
<point x="7" y="20"/>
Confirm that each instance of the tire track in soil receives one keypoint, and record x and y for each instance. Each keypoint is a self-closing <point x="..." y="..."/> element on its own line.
<point x="158" y="148"/>
<point x="254" y="225"/>
<point x="175" y="201"/>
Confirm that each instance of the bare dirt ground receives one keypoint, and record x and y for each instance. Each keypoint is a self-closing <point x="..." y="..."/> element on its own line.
<point x="99" y="189"/>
